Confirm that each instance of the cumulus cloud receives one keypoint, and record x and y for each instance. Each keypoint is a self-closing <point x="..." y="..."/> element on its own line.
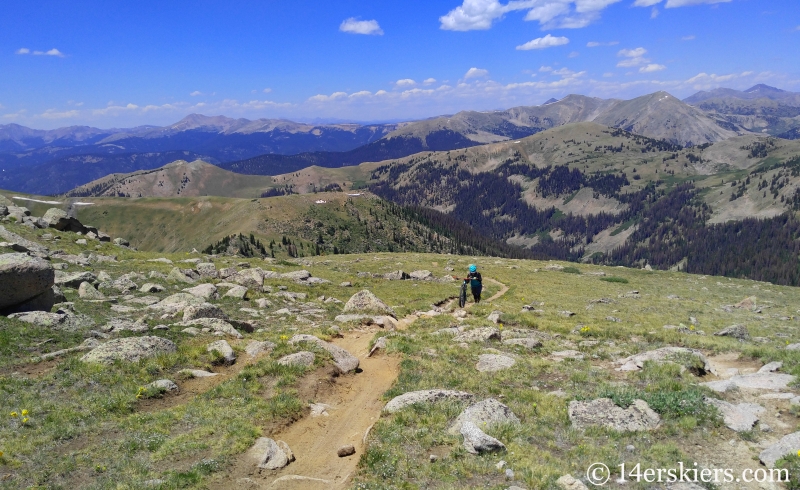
<point x="326" y="98"/>
<point x="267" y="90"/>
<point x="428" y="81"/>
<point x="543" y="42"/>
<point x="654" y="13"/>
<point x="54" y="114"/>
<point x="688" y="38"/>
<point x="355" y="26"/>
<point x="51" y="52"/>
<point x="405" y="82"/>
<point x="475" y="73"/>
<point x="652" y="67"/>
<point x="481" y="14"/>
<point x="633" y="57"/>
<point x="545" y="69"/>
<point x="573" y="54"/>
<point x="196" y="93"/>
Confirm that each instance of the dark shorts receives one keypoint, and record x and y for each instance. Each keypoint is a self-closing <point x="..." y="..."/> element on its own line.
<point x="476" y="293"/>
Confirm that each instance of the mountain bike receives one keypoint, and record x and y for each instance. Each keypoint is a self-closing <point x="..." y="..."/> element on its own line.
<point x="462" y="296"/>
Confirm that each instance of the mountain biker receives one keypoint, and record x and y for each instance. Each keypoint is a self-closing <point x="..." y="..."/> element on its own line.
<point x="475" y="282"/>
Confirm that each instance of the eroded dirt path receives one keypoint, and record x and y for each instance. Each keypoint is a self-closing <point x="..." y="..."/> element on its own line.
<point x="353" y="404"/>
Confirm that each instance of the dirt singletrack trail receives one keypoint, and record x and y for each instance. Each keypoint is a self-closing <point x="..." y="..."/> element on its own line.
<point x="353" y="405"/>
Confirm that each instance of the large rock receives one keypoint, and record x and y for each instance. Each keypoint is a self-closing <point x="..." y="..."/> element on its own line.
<point x="476" y="441"/>
<point x="131" y="349"/>
<point x="73" y="280"/>
<point x="87" y="291"/>
<point x="396" y="276"/>
<point x="365" y="301"/>
<point x="741" y="418"/>
<point x="422" y="275"/>
<point x="58" y="219"/>
<point x="203" y="310"/>
<point x="736" y="331"/>
<point x="788" y="445"/>
<point x="755" y="381"/>
<point x="424" y="396"/>
<point x="224" y="349"/>
<point x="489" y="363"/>
<point x="300" y="275"/>
<point x="343" y="360"/>
<point x="303" y="358"/>
<point x="255" y="348"/>
<point x="207" y="270"/>
<point x="603" y="412"/>
<point x="237" y="292"/>
<point x="524" y="342"/>
<point x="485" y="413"/>
<point x="483" y="334"/>
<point x="205" y="291"/>
<point x="665" y="354"/>
<point x="250" y="278"/>
<point x="56" y="321"/>
<point x="267" y="454"/>
<point x="568" y="482"/>
<point x="178" y="275"/>
<point x="216" y="325"/>
<point x="23" y="278"/>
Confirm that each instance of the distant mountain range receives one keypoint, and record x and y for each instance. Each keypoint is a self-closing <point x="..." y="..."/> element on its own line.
<point x="54" y="161"/>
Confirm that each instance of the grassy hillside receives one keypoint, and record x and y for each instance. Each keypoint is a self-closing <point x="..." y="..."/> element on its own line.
<point x="102" y="427"/>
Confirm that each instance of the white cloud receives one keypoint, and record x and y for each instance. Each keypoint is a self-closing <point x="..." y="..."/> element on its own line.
<point x="481" y="14"/>
<point x="51" y="52"/>
<point x="475" y="73"/>
<point x="405" y="82"/>
<point x="633" y="57"/>
<point x="196" y="93"/>
<point x="688" y="38"/>
<point x="564" y="72"/>
<point x="363" y="93"/>
<point x="676" y="3"/>
<point x="267" y="90"/>
<point x="355" y="26"/>
<point x="428" y="81"/>
<point x="545" y="69"/>
<point x="326" y="98"/>
<point x="573" y="54"/>
<point x="594" y="44"/>
<point x="543" y="42"/>
<point x="654" y="13"/>
<point x="608" y="75"/>
<point x="54" y="114"/>
<point x="652" y="67"/>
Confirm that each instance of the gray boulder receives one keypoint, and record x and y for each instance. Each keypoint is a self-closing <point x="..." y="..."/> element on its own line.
<point x="166" y="385"/>
<point x="483" y="334"/>
<point x="424" y="396"/>
<point x="300" y="275"/>
<point x="207" y="270"/>
<point x="477" y="442"/>
<point x="664" y="354"/>
<point x="303" y="358"/>
<point x="250" y="278"/>
<point x="25" y="279"/>
<point x="489" y="363"/>
<point x="87" y="291"/>
<point x="568" y="482"/>
<point x="58" y="219"/>
<point x="365" y="301"/>
<point x="396" y="276"/>
<point x="205" y="291"/>
<point x="786" y="446"/>
<point x="742" y="417"/>
<point x="255" y="348"/>
<point x="343" y="360"/>
<point x="603" y="412"/>
<point x="152" y="288"/>
<point x="736" y="331"/>
<point x="237" y="292"/>
<point x="755" y="381"/>
<point x="267" y="454"/>
<point x="74" y="280"/>
<point x="178" y="275"/>
<point x="485" y="413"/>
<point x="204" y="310"/>
<point x="131" y="349"/>
<point x="526" y="343"/>
<point x="224" y="349"/>
<point x="422" y="275"/>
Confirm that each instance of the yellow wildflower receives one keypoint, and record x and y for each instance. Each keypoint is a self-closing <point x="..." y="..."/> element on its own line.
<point x="14" y="414"/>
<point x="25" y="420"/>
<point x="1" y="454"/>
<point x="24" y="412"/>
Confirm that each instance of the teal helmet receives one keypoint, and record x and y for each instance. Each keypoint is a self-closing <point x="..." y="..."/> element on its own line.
<point x="473" y="268"/>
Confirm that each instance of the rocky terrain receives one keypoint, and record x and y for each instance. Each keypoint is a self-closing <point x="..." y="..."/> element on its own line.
<point x="128" y="368"/>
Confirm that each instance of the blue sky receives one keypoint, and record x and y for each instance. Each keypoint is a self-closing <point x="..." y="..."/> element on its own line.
<point x="120" y="64"/>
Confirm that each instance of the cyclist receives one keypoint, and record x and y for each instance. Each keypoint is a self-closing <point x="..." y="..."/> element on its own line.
<point x="475" y="282"/>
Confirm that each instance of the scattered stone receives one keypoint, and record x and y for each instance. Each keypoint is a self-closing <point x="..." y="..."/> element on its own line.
<point x="495" y="316"/>
<point x="771" y="367"/>
<point x="742" y="417"/>
<point x="425" y="396"/>
<point x="205" y="291"/>
<point x="524" y="342"/>
<point x="238" y="292"/>
<point x="80" y="241"/>
<point x="116" y="325"/>
<point x="266" y="454"/>
<point x="613" y="319"/>
<point x="747" y="303"/>
<point x="206" y="269"/>
<point x="793" y="346"/>
<point x="255" y="348"/>
<point x="665" y="354"/>
<point x="755" y="381"/>
<point x="166" y="385"/>
<point x="477" y="442"/>
<point x="566" y="354"/>
<point x="396" y="276"/>
<point x="483" y="334"/>
<point x="122" y="242"/>
<point x="303" y="358"/>
<point x="566" y="313"/>
<point x="345" y="451"/>
<point x="219" y="327"/>
<point x="263" y="303"/>
<point x="421" y="275"/>
<point x="87" y="291"/>
<point x="554" y="267"/>
<point x="343" y="360"/>
<point x="484" y="414"/>
<point x="203" y="310"/>
<point x="736" y="331"/>
<point x="603" y="412"/>
<point x="197" y="373"/>
<point x="365" y="301"/>
<point x="178" y="275"/>
<point x="346" y="284"/>
<point x="152" y="288"/>
<point x="567" y="482"/>
<point x="131" y="349"/>
<point x="787" y="445"/>
<point x="25" y="281"/>
<point x="224" y="349"/>
<point x="489" y="363"/>
<point x="162" y="260"/>
<point x="379" y="344"/>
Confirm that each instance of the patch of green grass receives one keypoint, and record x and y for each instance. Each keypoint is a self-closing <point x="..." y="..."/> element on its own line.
<point x="620" y="280"/>
<point x="571" y="270"/>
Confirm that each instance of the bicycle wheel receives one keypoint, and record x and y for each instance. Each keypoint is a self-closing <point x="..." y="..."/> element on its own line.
<point x="462" y="298"/>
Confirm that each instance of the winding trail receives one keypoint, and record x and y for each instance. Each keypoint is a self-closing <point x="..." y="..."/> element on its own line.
<point x="353" y="405"/>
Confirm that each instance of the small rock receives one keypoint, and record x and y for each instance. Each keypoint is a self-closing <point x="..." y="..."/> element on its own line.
<point x="345" y="451"/>
<point x="488" y="363"/>
<point x="740" y="418"/>
<point x="255" y="348"/>
<point x="771" y="367"/>
<point x="483" y="334"/>
<point x="267" y="454"/>
<point x="495" y="316"/>
<point x="476" y="441"/>
<point x="303" y="358"/>
<point x="736" y="331"/>
<point x="87" y="291"/>
<point x="603" y="412"/>
<point x="425" y="396"/>
<point x="166" y="385"/>
<point x="567" y="482"/>
<point x="224" y="349"/>
<point x="238" y="292"/>
<point x="486" y="413"/>
<point x="151" y="288"/>
<point x="787" y="445"/>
